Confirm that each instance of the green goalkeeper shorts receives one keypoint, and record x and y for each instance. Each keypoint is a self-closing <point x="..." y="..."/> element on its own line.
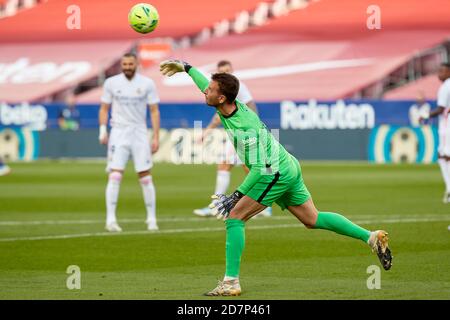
<point x="285" y="187"/>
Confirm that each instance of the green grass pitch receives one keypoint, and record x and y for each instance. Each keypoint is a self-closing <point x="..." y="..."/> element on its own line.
<point x="52" y="216"/>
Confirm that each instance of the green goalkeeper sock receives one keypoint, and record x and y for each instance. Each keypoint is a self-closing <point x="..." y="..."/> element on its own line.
<point x="340" y="224"/>
<point x="234" y="246"/>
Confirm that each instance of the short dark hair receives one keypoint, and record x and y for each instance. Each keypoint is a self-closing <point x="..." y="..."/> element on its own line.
<point x="228" y="85"/>
<point x="445" y="64"/>
<point x="222" y="63"/>
<point x="130" y="55"/>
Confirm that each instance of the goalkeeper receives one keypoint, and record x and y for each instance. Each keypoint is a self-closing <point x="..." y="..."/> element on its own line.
<point x="275" y="176"/>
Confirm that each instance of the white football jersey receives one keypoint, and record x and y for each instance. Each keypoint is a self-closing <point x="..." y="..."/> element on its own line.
<point x="244" y="94"/>
<point x="444" y="101"/>
<point x="129" y="99"/>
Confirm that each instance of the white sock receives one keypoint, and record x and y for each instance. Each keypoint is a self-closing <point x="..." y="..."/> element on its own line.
<point x="222" y="181"/>
<point x="445" y="170"/>
<point x="148" y="190"/>
<point x="112" y="194"/>
<point x="227" y="278"/>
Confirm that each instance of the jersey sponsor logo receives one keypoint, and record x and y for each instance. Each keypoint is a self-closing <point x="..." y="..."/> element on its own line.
<point x="313" y="115"/>
<point x="181" y="146"/>
<point x="249" y="141"/>
<point x="130" y="101"/>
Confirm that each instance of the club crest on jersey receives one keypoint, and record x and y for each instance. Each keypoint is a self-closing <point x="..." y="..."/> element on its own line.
<point x="138" y="91"/>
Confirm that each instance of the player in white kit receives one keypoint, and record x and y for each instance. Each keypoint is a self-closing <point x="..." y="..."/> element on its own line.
<point x="230" y="157"/>
<point x="443" y="111"/>
<point x="127" y="95"/>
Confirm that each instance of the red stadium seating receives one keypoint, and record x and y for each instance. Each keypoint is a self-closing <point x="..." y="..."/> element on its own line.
<point x="10" y="8"/>
<point x="38" y="37"/>
<point x="325" y="70"/>
<point x="315" y="40"/>
<point x="324" y="51"/>
<point x="107" y="19"/>
<point x="428" y="85"/>
<point x="337" y="19"/>
<point x="36" y="71"/>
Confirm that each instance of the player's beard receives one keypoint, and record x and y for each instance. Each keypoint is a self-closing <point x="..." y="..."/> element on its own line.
<point x="129" y="73"/>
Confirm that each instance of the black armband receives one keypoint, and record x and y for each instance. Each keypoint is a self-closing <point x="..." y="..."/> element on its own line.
<point x="187" y="66"/>
<point x="237" y="195"/>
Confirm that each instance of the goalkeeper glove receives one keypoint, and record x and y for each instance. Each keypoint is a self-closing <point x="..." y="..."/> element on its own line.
<point x="170" y="67"/>
<point x="222" y="204"/>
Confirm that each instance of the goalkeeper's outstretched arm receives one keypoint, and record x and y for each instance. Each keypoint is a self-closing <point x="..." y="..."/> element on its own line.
<point x="170" y="67"/>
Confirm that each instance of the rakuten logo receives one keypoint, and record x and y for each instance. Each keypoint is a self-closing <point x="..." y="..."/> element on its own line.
<point x="22" y="72"/>
<point x="31" y="116"/>
<point x="326" y="116"/>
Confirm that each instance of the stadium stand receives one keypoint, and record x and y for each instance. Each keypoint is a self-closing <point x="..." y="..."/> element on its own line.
<point x="23" y="49"/>
<point x="333" y="19"/>
<point x="324" y="52"/>
<point x="12" y="7"/>
<point x="304" y="70"/>
<point x="48" y="21"/>
<point x="428" y="85"/>
<point x="342" y="21"/>
<point x="33" y="72"/>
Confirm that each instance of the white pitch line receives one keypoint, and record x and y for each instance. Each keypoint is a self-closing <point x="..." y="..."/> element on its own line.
<point x="61" y="222"/>
<point x="188" y="230"/>
<point x="178" y="219"/>
<point x="69" y="222"/>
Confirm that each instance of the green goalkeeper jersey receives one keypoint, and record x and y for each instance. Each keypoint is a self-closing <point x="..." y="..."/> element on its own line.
<point x="254" y="143"/>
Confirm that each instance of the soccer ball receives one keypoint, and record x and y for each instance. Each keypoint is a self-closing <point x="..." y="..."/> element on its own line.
<point x="143" y="18"/>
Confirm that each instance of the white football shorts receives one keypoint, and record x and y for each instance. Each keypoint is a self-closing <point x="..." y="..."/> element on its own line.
<point x="444" y="143"/>
<point x="129" y="141"/>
